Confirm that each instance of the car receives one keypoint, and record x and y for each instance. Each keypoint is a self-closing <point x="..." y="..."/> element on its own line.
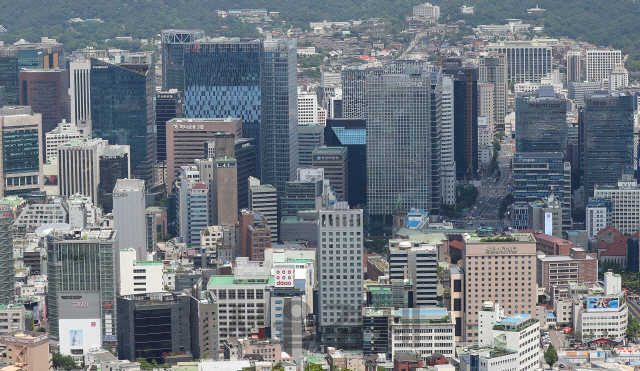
<point x="561" y="365"/>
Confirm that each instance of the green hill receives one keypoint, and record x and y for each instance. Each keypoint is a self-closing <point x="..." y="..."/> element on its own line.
<point x="613" y="22"/>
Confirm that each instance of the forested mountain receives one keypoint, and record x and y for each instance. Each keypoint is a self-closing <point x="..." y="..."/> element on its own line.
<point x="613" y="22"/>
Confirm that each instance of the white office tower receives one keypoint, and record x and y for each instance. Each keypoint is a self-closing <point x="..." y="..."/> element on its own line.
<point x="79" y="168"/>
<point x="487" y="317"/>
<point x="139" y="278"/>
<point x="307" y="108"/>
<point x="65" y="132"/>
<point x="519" y="333"/>
<point x="601" y="62"/>
<point x="446" y="143"/>
<point x="618" y="78"/>
<point x="129" y="216"/>
<point x="340" y="249"/>
<point x="80" y="92"/>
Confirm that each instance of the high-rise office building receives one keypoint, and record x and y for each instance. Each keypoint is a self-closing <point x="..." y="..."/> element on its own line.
<point x="518" y="259"/>
<point x="20" y="151"/>
<point x="465" y="117"/>
<point x="186" y="140"/>
<point x="536" y="176"/>
<point x="173" y="42"/>
<point x="80" y="91"/>
<point x="307" y="108"/>
<point x="334" y="161"/>
<point x="600" y="62"/>
<point x="447" y="154"/>
<point x="278" y="139"/>
<point x="122" y="109"/>
<point x="574" y="66"/>
<point x="47" y="92"/>
<point x="541" y="123"/>
<point x="193" y="207"/>
<point x="129" y="217"/>
<point x="607" y="138"/>
<point x="492" y="70"/>
<point x="168" y="106"/>
<point x="417" y="262"/>
<point x="264" y="199"/>
<point x="115" y="163"/>
<point x="7" y="271"/>
<point x="246" y="158"/>
<point x="65" y="132"/>
<point x="352" y="134"/>
<point x="255" y="236"/>
<point x="310" y="137"/>
<point x="486" y="103"/>
<point x="220" y="170"/>
<point x="79" y="168"/>
<point x="353" y="93"/>
<point x="47" y="54"/>
<point x="526" y="60"/>
<point x="399" y="137"/>
<point x="80" y="262"/>
<point x="339" y="286"/>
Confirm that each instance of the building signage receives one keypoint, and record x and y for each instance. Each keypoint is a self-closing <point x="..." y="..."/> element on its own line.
<point x="80" y="304"/>
<point x="285" y="276"/>
<point x="164" y="96"/>
<point x="188" y="127"/>
<point x="5" y="215"/>
<point x="502" y="250"/>
<point x="327" y="158"/>
<point x="520" y="159"/>
<point x="120" y="194"/>
<point x="603" y="304"/>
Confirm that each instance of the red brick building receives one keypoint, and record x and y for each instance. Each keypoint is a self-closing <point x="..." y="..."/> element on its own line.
<point x="551" y="245"/>
<point x="255" y="235"/>
<point x="554" y="272"/>
<point x="612" y="245"/>
<point x="407" y="361"/>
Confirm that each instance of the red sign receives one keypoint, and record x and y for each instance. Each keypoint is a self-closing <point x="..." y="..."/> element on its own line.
<point x="93" y="324"/>
<point x="107" y="305"/>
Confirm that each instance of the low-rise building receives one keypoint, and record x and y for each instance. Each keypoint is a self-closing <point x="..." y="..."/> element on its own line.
<point x="27" y="349"/>
<point x="555" y="272"/>
<point x="139" y="277"/>
<point x="488" y="359"/>
<point x="425" y="331"/>
<point x="551" y="245"/>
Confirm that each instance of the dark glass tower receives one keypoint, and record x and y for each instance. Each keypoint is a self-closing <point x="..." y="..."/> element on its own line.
<point x="246" y="159"/>
<point x="122" y="111"/>
<point x="465" y="116"/>
<point x="9" y="78"/>
<point x="351" y="133"/>
<point x="606" y="123"/>
<point x="173" y="56"/>
<point x="541" y="124"/>
<point x="168" y="106"/>
<point x="256" y="81"/>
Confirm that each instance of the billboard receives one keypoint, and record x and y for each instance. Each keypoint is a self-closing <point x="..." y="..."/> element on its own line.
<point x="603" y="303"/>
<point x="548" y="224"/>
<point x="285" y="275"/>
<point x="75" y="337"/>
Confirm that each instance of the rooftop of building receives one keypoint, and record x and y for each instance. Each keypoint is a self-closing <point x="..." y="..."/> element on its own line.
<point x="553" y="239"/>
<point x="378" y="312"/>
<point x="560" y="258"/>
<point x="516" y="322"/>
<point x="82" y="143"/>
<point x="199" y="120"/>
<point x="11" y="200"/>
<point x="329" y="150"/>
<point x="231" y="280"/>
<point x="82" y="235"/>
<point x="434" y="238"/>
<point x="149" y="263"/>
<point x="422" y="315"/>
<point x="129" y="185"/>
<point x="471" y="238"/>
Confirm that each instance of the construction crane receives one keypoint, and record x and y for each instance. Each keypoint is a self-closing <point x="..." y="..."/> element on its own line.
<point x="438" y="43"/>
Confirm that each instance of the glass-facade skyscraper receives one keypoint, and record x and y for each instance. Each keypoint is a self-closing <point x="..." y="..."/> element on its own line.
<point x="541" y="124"/>
<point x="606" y="123"/>
<point x="253" y="80"/>
<point x="173" y="42"/>
<point x="279" y="130"/>
<point x="399" y="140"/>
<point x="7" y="271"/>
<point x="122" y="111"/>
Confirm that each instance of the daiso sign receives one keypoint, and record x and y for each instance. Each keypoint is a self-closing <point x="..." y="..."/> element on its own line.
<point x="285" y="275"/>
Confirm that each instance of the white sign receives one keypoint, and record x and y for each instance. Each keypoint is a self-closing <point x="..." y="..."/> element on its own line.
<point x="548" y="224"/>
<point x="502" y="250"/>
<point x="188" y="127"/>
<point x="285" y="276"/>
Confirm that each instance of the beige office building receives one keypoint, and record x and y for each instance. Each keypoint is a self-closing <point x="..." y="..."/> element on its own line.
<point x="501" y="270"/>
<point x="26" y="351"/>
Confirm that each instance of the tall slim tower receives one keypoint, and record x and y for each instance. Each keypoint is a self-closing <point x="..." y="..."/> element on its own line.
<point x="80" y="91"/>
<point x="129" y="217"/>
<point x="279" y="130"/>
<point x="493" y="70"/>
<point x="353" y="101"/>
<point x="574" y="66"/>
<point x="447" y="156"/>
<point x="173" y="42"/>
<point x="398" y="113"/>
<point x="168" y="106"/>
<point x="339" y="286"/>
<point x="7" y="272"/>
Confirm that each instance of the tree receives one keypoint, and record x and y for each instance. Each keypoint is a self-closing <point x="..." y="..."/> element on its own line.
<point x="313" y="367"/>
<point x="278" y="367"/>
<point x="64" y="362"/>
<point x="633" y="325"/>
<point x="380" y="368"/>
<point x="550" y="355"/>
